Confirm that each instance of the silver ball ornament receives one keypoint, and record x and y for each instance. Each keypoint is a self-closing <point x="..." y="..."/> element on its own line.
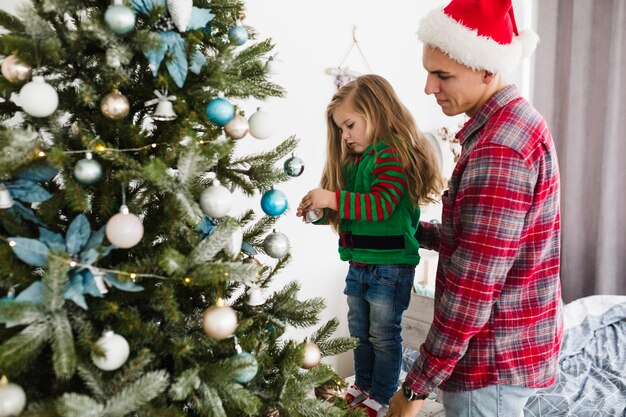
<point x="116" y="351"/>
<point x="294" y="166"/>
<point x="15" y="70"/>
<point x="312" y="355"/>
<point x="124" y="230"/>
<point x="12" y="399"/>
<point x="88" y="171"/>
<point x="219" y="321"/>
<point x="276" y="244"/>
<point x="216" y="200"/>
<point x="115" y="106"/>
<point x="237" y="128"/>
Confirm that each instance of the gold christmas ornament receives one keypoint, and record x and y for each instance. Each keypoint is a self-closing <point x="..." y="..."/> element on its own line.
<point x="237" y="128"/>
<point x="16" y="71"/>
<point x="312" y="355"/>
<point x="114" y="106"/>
<point x="219" y="321"/>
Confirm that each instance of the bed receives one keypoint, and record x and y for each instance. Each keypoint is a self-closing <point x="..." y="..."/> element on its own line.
<point x="592" y="367"/>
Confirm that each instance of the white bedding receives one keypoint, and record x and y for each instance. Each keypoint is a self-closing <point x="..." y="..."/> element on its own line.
<point x="575" y="312"/>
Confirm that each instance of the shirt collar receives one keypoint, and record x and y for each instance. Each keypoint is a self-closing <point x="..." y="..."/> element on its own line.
<point x="497" y="101"/>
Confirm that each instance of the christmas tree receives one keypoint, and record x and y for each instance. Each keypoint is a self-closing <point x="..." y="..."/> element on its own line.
<point x="128" y="288"/>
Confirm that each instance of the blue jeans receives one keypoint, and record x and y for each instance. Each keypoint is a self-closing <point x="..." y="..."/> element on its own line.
<point x="377" y="297"/>
<point x="491" y="401"/>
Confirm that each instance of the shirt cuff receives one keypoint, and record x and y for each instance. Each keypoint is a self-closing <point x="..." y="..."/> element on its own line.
<point x="418" y="381"/>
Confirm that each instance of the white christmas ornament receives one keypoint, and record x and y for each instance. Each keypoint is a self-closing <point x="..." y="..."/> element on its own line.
<point x="37" y="98"/>
<point x="261" y="124"/>
<point x="12" y="398"/>
<point x="219" y="321"/>
<point x="180" y="12"/>
<point x="216" y="200"/>
<point x="312" y="355"/>
<point x="124" y="230"/>
<point x="116" y="351"/>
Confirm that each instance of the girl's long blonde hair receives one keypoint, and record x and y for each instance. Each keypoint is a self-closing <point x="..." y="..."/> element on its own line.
<point x="372" y="97"/>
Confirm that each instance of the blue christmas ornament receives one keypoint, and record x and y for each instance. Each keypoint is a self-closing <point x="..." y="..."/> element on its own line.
<point x="238" y="35"/>
<point x="247" y="367"/>
<point x="119" y="18"/>
<point x="274" y="203"/>
<point x="220" y="111"/>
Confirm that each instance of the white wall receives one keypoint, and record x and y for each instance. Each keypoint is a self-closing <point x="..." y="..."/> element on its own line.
<point x="311" y="37"/>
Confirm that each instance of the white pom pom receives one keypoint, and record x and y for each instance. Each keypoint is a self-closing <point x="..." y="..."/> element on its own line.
<point x="528" y="40"/>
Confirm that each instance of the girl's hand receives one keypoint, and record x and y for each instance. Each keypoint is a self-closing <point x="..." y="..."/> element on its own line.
<point x="317" y="198"/>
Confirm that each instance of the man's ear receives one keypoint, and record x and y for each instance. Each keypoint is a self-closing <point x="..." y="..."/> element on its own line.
<point x="488" y="77"/>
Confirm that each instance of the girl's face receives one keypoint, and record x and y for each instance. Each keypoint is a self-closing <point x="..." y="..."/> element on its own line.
<point x="352" y="127"/>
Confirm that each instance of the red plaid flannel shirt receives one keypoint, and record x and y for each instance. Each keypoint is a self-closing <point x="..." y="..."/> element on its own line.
<point x="497" y="313"/>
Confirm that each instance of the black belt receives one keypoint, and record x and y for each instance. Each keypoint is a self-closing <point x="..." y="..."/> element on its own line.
<point x="348" y="240"/>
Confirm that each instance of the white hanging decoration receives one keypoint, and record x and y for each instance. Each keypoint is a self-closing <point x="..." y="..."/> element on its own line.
<point x="37" y="98"/>
<point x="164" y="110"/>
<point x="233" y="247"/>
<point x="180" y="12"/>
<point x="255" y="296"/>
<point x="12" y="398"/>
<point x="116" y="351"/>
<point x="124" y="229"/>
<point x="261" y="124"/>
<point x="216" y="200"/>
<point x="98" y="277"/>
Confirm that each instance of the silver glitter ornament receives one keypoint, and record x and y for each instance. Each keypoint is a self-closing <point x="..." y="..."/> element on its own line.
<point x="219" y="321"/>
<point x="114" y="106"/>
<point x="312" y="355"/>
<point x="237" y="128"/>
<point x="15" y="70"/>
<point x="276" y="244"/>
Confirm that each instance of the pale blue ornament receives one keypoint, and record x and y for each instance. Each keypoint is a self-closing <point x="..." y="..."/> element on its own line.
<point x="88" y="171"/>
<point x="238" y="35"/>
<point x="294" y="166"/>
<point x="220" y="111"/>
<point x="274" y="203"/>
<point x="247" y="367"/>
<point x="119" y="18"/>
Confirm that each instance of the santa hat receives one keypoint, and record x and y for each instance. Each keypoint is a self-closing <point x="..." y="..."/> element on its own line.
<point x="480" y="34"/>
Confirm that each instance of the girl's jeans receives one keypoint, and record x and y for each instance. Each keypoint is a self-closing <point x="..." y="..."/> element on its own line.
<point x="377" y="297"/>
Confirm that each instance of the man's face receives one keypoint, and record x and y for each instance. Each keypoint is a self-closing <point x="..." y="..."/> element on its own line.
<point x="457" y="88"/>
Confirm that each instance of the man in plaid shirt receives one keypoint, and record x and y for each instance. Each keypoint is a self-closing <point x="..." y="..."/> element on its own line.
<point x="497" y="327"/>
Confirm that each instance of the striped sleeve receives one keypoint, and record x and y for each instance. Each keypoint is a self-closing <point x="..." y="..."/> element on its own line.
<point x="494" y="197"/>
<point x="384" y="196"/>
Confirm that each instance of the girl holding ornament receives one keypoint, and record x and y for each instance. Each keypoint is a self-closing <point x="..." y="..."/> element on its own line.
<point x="379" y="169"/>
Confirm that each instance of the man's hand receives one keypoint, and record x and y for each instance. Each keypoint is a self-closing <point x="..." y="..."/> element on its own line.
<point x="399" y="406"/>
<point x="316" y="198"/>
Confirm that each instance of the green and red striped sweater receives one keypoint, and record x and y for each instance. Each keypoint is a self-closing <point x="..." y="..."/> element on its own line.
<point x="378" y="220"/>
